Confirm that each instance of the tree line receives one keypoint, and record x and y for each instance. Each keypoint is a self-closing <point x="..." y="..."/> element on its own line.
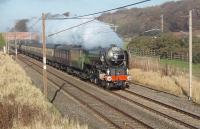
<point x="166" y="43"/>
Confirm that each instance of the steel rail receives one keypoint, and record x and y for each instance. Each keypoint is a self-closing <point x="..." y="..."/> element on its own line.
<point x="155" y="111"/>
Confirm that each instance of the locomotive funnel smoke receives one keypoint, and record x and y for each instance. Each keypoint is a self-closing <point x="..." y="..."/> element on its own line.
<point x="94" y="34"/>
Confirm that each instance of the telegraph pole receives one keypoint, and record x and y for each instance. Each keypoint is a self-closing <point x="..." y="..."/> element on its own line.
<point x="162" y="23"/>
<point x="190" y="54"/>
<point x="44" y="54"/>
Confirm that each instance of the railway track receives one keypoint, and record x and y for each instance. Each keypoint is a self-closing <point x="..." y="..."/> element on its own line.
<point x="195" y="116"/>
<point x="125" y="96"/>
<point x="182" y="117"/>
<point x="120" y="120"/>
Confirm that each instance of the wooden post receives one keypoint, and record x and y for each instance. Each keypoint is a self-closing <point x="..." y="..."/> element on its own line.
<point x="171" y="55"/>
<point x="124" y="122"/>
<point x="44" y="54"/>
<point x="6" y="42"/>
<point x="15" y="46"/>
<point x="4" y="50"/>
<point x="8" y="47"/>
<point x="190" y="54"/>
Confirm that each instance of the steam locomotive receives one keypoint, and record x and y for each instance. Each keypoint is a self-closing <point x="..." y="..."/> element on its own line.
<point x="107" y="67"/>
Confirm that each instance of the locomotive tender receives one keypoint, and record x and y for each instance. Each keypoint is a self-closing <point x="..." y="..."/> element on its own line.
<point x="107" y="67"/>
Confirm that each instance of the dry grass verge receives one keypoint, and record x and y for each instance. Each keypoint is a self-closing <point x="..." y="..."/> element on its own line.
<point x="151" y="72"/>
<point x="22" y="105"/>
<point x="177" y="85"/>
<point x="156" y="81"/>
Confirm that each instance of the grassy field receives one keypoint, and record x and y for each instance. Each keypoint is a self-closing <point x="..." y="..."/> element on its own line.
<point x="182" y="65"/>
<point x="22" y="105"/>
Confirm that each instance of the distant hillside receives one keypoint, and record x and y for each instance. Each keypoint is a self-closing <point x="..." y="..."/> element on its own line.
<point x="135" y="21"/>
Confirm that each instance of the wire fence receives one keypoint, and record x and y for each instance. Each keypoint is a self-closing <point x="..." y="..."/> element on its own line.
<point x="162" y="55"/>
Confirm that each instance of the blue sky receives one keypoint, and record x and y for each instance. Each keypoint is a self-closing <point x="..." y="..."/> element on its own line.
<point x="11" y="10"/>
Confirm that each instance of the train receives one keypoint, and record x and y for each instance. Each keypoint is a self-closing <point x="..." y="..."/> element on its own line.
<point x="106" y="67"/>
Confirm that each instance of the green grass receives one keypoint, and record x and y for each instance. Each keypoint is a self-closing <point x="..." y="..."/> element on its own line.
<point x="176" y="63"/>
<point x="182" y="65"/>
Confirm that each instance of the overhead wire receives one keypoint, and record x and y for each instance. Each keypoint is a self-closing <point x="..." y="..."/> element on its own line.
<point x="68" y="18"/>
<point x="100" y="32"/>
<point x="100" y="12"/>
<point x="71" y="28"/>
<point x="81" y="17"/>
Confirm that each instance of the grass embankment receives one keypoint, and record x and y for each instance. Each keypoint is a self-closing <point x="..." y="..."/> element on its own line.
<point x="22" y="105"/>
<point x="165" y="78"/>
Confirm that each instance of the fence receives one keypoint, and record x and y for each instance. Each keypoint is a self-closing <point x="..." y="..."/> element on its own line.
<point x="153" y="64"/>
<point x="164" y="55"/>
<point x="142" y="52"/>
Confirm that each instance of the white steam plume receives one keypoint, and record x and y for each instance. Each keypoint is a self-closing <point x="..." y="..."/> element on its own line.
<point x="94" y="34"/>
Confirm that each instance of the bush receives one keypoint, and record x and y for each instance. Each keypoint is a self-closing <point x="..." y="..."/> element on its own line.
<point x="196" y="58"/>
<point x="163" y="43"/>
